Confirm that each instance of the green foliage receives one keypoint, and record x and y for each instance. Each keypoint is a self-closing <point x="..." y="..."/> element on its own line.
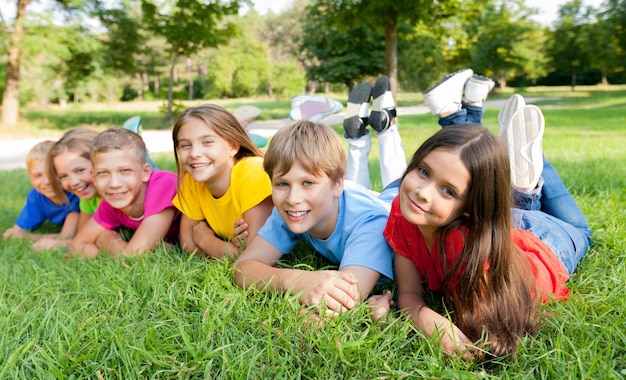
<point x="340" y="53"/>
<point x="167" y="315"/>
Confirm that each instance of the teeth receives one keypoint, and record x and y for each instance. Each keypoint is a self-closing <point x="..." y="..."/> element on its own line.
<point x="196" y="166"/>
<point x="296" y="214"/>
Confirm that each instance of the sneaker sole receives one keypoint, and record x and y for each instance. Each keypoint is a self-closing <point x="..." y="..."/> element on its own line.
<point x="523" y="140"/>
<point x="356" y="112"/>
<point x="428" y="94"/>
<point x="514" y="103"/>
<point x="383" y="107"/>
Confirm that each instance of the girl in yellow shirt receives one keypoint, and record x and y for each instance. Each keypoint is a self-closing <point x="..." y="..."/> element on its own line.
<point x="224" y="194"/>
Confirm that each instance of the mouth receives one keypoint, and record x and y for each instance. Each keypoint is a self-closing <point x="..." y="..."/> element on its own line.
<point x="199" y="166"/>
<point x="297" y="215"/>
<point x="81" y="189"/>
<point x="116" y="196"/>
<point x="417" y="207"/>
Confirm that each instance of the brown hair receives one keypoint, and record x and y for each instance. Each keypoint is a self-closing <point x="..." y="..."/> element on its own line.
<point x="119" y="139"/>
<point x="223" y="123"/>
<point x="316" y="147"/>
<point x="77" y="141"/>
<point x="498" y="304"/>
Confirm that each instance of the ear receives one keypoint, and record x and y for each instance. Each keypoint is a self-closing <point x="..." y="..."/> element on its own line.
<point x="338" y="189"/>
<point x="146" y="172"/>
<point x="234" y="148"/>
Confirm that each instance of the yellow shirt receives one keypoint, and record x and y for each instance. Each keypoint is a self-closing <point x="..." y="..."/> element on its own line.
<point x="249" y="186"/>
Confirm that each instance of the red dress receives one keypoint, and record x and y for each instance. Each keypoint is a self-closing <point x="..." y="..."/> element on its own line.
<point x="407" y="240"/>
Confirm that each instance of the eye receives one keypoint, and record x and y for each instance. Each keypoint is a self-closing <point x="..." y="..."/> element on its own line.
<point x="184" y="145"/>
<point x="308" y="183"/>
<point x="62" y="177"/>
<point x="207" y="142"/>
<point x="423" y="172"/>
<point x="280" y="184"/>
<point x="448" y="192"/>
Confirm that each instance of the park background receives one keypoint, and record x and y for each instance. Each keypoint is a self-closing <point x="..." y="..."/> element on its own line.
<point x="169" y="315"/>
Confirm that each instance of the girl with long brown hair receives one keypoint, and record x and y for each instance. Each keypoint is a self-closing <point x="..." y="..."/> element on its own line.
<point x="455" y="233"/>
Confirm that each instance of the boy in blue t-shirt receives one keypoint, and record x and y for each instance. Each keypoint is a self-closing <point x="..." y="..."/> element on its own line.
<point x="42" y="203"/>
<point x="341" y="220"/>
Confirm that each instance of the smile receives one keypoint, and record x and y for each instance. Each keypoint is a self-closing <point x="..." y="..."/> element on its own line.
<point x="297" y="214"/>
<point x="199" y="166"/>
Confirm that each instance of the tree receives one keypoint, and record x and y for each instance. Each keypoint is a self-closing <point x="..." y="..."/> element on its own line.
<point x="11" y="96"/>
<point x="567" y="44"/>
<point x="505" y="43"/>
<point x="339" y="53"/>
<point x="188" y="26"/>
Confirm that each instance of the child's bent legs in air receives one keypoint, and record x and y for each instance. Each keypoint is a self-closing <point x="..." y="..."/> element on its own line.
<point x="543" y="204"/>
<point x="383" y="120"/>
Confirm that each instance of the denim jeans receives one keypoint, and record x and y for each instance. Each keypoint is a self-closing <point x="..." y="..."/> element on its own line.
<point x="468" y="114"/>
<point x="552" y="215"/>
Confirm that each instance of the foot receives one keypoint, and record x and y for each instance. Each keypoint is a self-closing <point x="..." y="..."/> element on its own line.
<point x="445" y="96"/>
<point x="523" y="138"/>
<point x="514" y="103"/>
<point x="313" y="108"/>
<point x="357" y="111"/>
<point x="476" y="89"/>
<point x="383" y="107"/>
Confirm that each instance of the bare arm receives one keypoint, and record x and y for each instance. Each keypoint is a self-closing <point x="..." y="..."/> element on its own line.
<point x="151" y="231"/>
<point x="411" y="301"/>
<point x="256" y="267"/>
<point x="84" y="243"/>
<point x="83" y="217"/>
<point x="253" y="219"/>
<point x="70" y="226"/>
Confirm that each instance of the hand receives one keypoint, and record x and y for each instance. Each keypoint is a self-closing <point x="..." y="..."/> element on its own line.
<point x="13" y="232"/>
<point x="48" y="243"/>
<point x="455" y="343"/>
<point x="336" y="290"/>
<point x="380" y="305"/>
<point x="240" y="234"/>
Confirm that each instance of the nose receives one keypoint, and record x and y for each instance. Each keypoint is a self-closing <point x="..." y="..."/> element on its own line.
<point x="194" y="150"/>
<point x="114" y="180"/>
<point x="294" y="196"/>
<point x="74" y="179"/>
<point x="423" y="192"/>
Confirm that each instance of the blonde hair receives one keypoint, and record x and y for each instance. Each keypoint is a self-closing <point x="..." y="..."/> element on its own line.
<point x="77" y="141"/>
<point x="316" y="147"/>
<point x="119" y="139"/>
<point x="39" y="152"/>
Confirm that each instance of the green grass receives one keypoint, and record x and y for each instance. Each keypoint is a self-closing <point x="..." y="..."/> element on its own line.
<point x="167" y="315"/>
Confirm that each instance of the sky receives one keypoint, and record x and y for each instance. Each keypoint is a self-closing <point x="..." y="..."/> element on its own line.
<point x="548" y="9"/>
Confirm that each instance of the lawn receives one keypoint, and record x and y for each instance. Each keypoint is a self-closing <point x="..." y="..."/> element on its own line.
<point x="168" y="315"/>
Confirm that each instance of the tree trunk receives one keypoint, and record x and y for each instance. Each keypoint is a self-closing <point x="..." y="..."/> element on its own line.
<point x="190" y="77"/>
<point x="391" y="49"/>
<point x="11" y="96"/>
<point x="573" y="84"/>
<point x="170" y="89"/>
<point x="139" y="87"/>
<point x="605" y="80"/>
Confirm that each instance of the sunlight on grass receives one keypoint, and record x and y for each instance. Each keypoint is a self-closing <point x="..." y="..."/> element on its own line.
<point x="169" y="315"/>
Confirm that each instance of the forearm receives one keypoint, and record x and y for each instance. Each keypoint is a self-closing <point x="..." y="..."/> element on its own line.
<point x="212" y="246"/>
<point x="262" y="276"/>
<point x="82" y="249"/>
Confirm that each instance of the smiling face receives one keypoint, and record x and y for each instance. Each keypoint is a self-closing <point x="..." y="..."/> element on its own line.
<point x="307" y="202"/>
<point x="121" y="180"/>
<point x="39" y="179"/>
<point x="205" y="155"/>
<point x="75" y="174"/>
<point x="433" y="194"/>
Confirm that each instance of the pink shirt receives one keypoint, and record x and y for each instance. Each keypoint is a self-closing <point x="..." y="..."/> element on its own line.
<point x="160" y="190"/>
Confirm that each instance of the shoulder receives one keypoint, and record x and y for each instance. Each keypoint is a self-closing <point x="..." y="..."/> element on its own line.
<point x="359" y="201"/>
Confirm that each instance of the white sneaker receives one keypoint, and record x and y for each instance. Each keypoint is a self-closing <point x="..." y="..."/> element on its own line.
<point x="476" y="89"/>
<point x="523" y="138"/>
<point x="514" y="103"/>
<point x="445" y="96"/>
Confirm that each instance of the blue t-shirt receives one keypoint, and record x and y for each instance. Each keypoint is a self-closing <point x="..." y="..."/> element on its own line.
<point x="39" y="208"/>
<point x="357" y="239"/>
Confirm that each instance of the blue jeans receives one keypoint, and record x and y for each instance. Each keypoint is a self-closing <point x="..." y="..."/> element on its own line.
<point x="554" y="217"/>
<point x="468" y="114"/>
